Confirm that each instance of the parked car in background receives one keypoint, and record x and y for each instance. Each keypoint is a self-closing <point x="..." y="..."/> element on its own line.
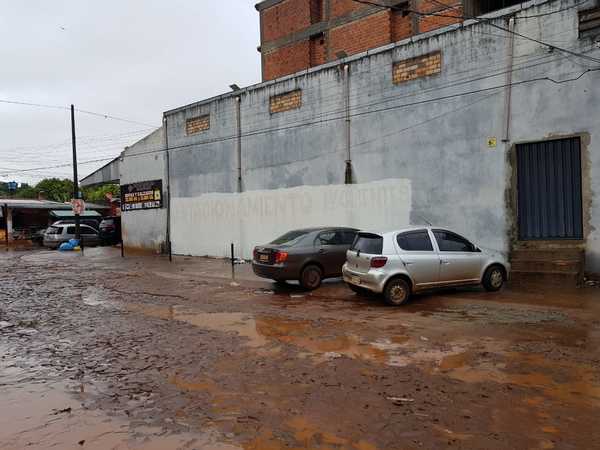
<point x="94" y="223"/>
<point x="308" y="255"/>
<point x="399" y="263"/>
<point x="110" y="230"/>
<point x="38" y="237"/>
<point x="58" y="234"/>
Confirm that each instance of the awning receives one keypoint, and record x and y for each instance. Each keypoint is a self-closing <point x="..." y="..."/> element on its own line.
<point x="69" y="214"/>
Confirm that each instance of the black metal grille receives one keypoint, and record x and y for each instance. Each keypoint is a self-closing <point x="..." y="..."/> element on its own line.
<point x="549" y="190"/>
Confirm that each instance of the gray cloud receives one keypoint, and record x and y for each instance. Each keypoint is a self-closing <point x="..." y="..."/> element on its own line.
<point x="133" y="59"/>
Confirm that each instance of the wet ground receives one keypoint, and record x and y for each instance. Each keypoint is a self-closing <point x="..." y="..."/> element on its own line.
<point x="99" y="352"/>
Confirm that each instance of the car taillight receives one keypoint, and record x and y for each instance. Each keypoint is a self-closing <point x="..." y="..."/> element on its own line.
<point x="378" y="261"/>
<point x="255" y="254"/>
<point x="280" y="257"/>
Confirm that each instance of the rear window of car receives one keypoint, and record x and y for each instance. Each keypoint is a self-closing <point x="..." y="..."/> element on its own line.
<point x="107" y="222"/>
<point x="415" y="241"/>
<point x="290" y="237"/>
<point x="371" y="244"/>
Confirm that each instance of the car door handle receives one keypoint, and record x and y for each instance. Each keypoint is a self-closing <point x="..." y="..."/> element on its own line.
<point x="445" y="262"/>
<point x="321" y="250"/>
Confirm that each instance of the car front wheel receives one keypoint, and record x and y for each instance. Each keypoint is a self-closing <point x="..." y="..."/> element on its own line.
<point x="493" y="279"/>
<point x="396" y="292"/>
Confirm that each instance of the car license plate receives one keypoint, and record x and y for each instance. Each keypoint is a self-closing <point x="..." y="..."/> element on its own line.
<point x="263" y="258"/>
<point x="355" y="280"/>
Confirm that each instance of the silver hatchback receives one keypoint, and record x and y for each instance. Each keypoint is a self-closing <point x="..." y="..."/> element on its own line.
<point x="399" y="263"/>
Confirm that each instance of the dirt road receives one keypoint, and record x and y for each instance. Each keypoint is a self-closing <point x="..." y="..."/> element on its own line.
<point x="99" y="352"/>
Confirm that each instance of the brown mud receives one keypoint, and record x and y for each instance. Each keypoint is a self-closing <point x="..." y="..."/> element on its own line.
<point x="102" y="352"/>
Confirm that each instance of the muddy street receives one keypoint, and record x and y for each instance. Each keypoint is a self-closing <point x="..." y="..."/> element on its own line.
<point x="100" y="352"/>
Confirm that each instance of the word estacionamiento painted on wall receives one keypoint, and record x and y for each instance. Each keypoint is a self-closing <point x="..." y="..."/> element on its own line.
<point x="206" y="225"/>
<point x="141" y="195"/>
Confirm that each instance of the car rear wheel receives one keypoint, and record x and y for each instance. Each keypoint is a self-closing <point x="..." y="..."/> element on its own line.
<point x="396" y="292"/>
<point x="493" y="279"/>
<point x="311" y="277"/>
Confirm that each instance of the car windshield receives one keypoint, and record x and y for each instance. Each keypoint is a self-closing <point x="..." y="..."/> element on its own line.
<point x="53" y="230"/>
<point x="371" y="244"/>
<point x="290" y="237"/>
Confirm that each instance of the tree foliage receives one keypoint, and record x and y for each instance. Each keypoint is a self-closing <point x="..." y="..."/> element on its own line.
<point x="98" y="194"/>
<point x="61" y="191"/>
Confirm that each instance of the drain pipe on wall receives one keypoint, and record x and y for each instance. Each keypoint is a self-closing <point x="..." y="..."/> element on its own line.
<point x="348" y="175"/>
<point x="168" y="173"/>
<point x="238" y="101"/>
<point x="509" y="70"/>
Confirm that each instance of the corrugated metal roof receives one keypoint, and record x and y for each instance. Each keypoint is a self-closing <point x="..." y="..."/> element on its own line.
<point x="68" y="214"/>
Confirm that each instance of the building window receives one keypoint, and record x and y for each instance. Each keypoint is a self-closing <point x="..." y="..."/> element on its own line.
<point x="419" y="67"/>
<point x="286" y="102"/>
<point x="589" y="22"/>
<point x="480" y="7"/>
<point x="197" y="124"/>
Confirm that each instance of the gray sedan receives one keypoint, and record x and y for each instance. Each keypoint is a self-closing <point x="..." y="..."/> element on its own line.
<point x="308" y="255"/>
<point x="399" y="263"/>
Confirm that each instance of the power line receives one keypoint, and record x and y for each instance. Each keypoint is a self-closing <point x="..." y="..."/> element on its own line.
<point x="319" y="122"/>
<point x="82" y="111"/>
<point x="488" y="21"/>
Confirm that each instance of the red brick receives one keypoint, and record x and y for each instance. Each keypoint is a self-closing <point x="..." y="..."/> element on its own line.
<point x="286" y="60"/>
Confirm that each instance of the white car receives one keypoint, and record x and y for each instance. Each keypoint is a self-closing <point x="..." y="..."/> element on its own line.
<point x="56" y="235"/>
<point x="399" y="263"/>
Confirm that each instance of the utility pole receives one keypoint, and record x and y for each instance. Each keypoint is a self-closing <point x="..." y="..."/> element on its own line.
<point x="75" y="179"/>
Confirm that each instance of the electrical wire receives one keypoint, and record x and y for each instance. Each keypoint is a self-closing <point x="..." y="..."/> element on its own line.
<point x="488" y="21"/>
<point x="82" y="111"/>
<point x="216" y="140"/>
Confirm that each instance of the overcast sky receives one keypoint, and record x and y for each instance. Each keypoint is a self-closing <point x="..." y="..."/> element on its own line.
<point x="128" y="58"/>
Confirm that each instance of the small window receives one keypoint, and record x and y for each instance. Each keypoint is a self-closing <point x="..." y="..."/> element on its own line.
<point x="415" y="241"/>
<point x="371" y="244"/>
<point x="87" y="230"/>
<point x="589" y="22"/>
<point x="197" y="124"/>
<point x="450" y="242"/>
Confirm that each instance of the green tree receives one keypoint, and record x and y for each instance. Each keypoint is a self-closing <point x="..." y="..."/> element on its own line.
<point x="55" y="189"/>
<point x="98" y="194"/>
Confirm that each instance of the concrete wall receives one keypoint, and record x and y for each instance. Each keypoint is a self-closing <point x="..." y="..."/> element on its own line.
<point x="432" y="131"/>
<point x="145" y="161"/>
<point x="107" y="174"/>
<point x="256" y="217"/>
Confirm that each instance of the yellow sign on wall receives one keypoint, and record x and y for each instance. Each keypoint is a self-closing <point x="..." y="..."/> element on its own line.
<point x="492" y="142"/>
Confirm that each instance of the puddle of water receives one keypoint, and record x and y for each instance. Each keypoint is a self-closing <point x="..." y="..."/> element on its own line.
<point x="93" y="296"/>
<point x="51" y="415"/>
<point x="241" y="323"/>
<point x="307" y="435"/>
<point x="579" y="388"/>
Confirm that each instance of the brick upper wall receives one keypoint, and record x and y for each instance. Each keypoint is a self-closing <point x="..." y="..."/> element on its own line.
<point x="285" y="18"/>
<point x="290" y="59"/>
<point x="342" y="7"/>
<point x="298" y="34"/>
<point x="361" y="35"/>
